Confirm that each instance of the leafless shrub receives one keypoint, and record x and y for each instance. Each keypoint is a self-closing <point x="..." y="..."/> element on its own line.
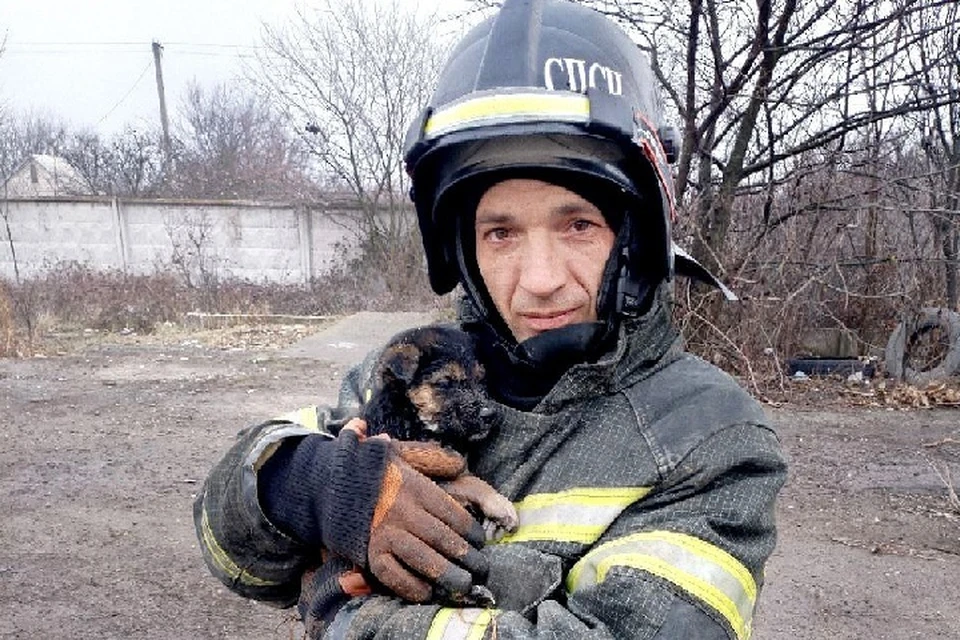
<point x="72" y="296"/>
<point x="7" y="324"/>
<point x="364" y="278"/>
<point x="843" y="240"/>
<point x="192" y="254"/>
<point x="943" y="472"/>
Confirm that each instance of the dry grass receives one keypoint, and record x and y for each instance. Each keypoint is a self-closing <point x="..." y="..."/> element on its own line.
<point x="72" y="300"/>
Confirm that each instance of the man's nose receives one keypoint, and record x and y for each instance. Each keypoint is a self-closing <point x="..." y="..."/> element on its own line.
<point x="541" y="271"/>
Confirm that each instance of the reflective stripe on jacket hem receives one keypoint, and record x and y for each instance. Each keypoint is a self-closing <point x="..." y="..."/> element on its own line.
<point x="460" y="624"/>
<point x="699" y="568"/>
<point x="223" y="562"/>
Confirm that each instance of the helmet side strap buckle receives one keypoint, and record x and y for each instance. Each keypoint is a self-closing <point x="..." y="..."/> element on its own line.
<point x="628" y="289"/>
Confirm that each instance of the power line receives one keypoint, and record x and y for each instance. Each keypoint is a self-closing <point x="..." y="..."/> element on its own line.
<point x="81" y="43"/>
<point x="238" y="52"/>
<point x="211" y="54"/>
<point x="215" y="45"/>
<point x="211" y="45"/>
<point x="13" y="51"/>
<point x="127" y="94"/>
<point x="74" y="43"/>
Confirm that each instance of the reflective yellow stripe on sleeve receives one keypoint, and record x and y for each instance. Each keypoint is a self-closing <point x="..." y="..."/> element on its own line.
<point x="224" y="562"/>
<point x="579" y="515"/>
<point x="306" y="417"/>
<point x="509" y="107"/>
<point x="703" y="570"/>
<point x="460" y="624"/>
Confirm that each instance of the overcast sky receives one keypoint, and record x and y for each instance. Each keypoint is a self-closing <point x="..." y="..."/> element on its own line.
<point x="90" y="62"/>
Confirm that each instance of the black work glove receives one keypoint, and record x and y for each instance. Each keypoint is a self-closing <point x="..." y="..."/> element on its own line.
<point x="359" y="498"/>
<point x="420" y="537"/>
<point x="325" y="590"/>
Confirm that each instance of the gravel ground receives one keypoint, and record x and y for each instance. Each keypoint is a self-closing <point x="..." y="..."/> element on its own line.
<point x="105" y="443"/>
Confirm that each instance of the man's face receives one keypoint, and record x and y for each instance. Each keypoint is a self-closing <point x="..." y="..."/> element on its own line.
<point x="541" y="250"/>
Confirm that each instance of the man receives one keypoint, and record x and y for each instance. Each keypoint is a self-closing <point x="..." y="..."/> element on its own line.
<point x="645" y="479"/>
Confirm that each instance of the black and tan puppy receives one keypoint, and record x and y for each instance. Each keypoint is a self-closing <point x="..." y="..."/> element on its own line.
<point x="427" y="385"/>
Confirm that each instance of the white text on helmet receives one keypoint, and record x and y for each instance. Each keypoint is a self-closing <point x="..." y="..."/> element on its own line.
<point x="580" y="77"/>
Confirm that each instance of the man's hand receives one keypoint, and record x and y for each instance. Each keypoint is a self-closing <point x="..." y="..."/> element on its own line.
<point x="450" y="469"/>
<point x="420" y="537"/>
<point x="372" y="501"/>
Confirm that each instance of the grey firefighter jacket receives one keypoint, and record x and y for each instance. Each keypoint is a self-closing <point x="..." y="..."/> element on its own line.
<point x="645" y="485"/>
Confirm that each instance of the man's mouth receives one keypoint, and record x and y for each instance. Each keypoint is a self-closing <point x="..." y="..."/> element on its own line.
<point x="546" y="320"/>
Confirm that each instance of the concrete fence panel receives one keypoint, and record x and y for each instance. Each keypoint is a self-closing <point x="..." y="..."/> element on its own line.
<point x="256" y="242"/>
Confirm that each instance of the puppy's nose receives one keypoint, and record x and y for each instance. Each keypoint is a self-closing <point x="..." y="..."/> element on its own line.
<point x="486" y="413"/>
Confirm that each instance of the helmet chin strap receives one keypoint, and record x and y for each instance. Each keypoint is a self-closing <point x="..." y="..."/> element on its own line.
<point x="623" y="291"/>
<point x="522" y="374"/>
<point x="560" y="348"/>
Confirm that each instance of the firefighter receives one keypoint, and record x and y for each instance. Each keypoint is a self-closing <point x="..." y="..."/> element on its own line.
<point x="645" y="479"/>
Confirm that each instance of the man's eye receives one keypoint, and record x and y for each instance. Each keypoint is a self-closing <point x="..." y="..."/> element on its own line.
<point x="583" y="225"/>
<point x="500" y="233"/>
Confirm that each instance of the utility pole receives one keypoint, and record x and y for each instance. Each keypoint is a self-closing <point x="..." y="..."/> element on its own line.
<point x="157" y="49"/>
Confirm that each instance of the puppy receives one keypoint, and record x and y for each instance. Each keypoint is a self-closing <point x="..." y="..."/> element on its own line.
<point x="427" y="385"/>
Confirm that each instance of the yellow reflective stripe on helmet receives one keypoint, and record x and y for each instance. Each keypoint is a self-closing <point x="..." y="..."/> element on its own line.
<point x="306" y="417"/>
<point x="460" y="624"/>
<point x="224" y="562"/>
<point x="703" y="570"/>
<point x="508" y="107"/>
<point x="578" y="515"/>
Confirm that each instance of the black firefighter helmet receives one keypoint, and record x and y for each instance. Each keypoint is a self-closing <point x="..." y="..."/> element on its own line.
<point x="551" y="89"/>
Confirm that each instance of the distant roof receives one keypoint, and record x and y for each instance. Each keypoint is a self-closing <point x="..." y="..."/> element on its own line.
<point x="46" y="175"/>
<point x="53" y="163"/>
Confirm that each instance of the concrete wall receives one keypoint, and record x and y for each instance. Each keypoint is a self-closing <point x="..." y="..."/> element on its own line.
<point x="257" y="242"/>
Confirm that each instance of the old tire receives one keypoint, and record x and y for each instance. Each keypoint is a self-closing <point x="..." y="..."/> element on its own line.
<point x="906" y="334"/>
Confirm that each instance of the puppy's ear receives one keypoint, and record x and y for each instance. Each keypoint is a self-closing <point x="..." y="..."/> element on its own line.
<point x="400" y="362"/>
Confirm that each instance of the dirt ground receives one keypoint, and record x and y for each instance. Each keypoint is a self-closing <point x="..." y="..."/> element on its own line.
<point x="104" y="446"/>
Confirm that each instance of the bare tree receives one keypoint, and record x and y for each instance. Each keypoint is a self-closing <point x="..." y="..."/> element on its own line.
<point x="935" y="63"/>
<point x="764" y="84"/>
<point x="91" y="158"/>
<point x="129" y="164"/>
<point x="21" y="135"/>
<point x="138" y="166"/>
<point x="24" y="134"/>
<point x="233" y="144"/>
<point x="354" y="74"/>
<point x="755" y="85"/>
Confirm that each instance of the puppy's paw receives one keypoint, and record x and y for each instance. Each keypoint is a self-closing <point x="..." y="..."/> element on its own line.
<point x="500" y="516"/>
